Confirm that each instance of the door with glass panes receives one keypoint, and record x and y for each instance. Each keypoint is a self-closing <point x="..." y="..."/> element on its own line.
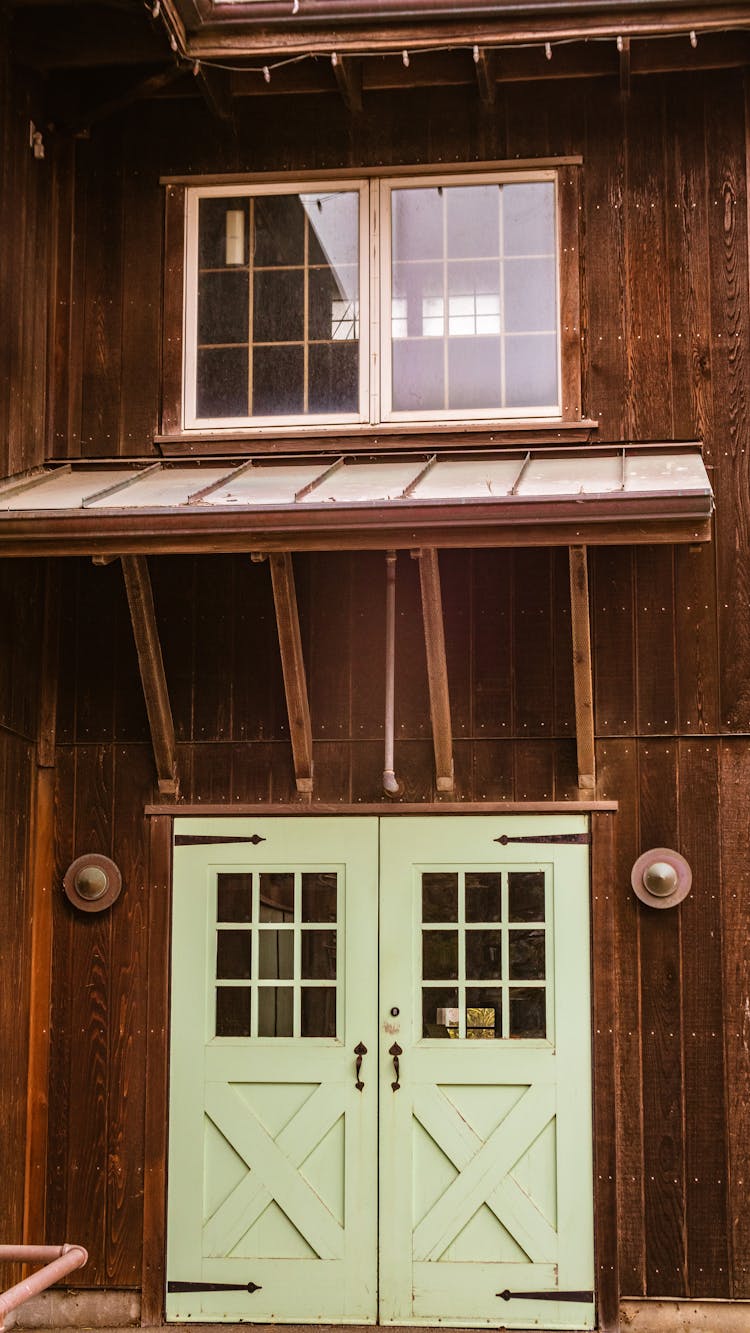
<point x="381" y="1019"/>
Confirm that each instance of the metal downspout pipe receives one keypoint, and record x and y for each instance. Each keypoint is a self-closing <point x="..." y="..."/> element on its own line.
<point x="391" y="785"/>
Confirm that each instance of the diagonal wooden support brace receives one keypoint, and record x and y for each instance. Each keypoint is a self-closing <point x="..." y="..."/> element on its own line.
<point x="151" y="665"/>
<point x="437" y="670"/>
<point x="293" y="668"/>
<point x="582" y="673"/>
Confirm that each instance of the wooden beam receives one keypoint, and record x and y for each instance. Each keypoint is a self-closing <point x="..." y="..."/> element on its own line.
<point x="41" y="871"/>
<point x="138" y="92"/>
<point x="582" y="672"/>
<point x="215" y="87"/>
<point x="151" y="664"/>
<point x="437" y="670"/>
<point x="293" y="668"/>
<point x="485" y="64"/>
<point x="623" y="47"/>
<point x="604" y="1025"/>
<point x="348" y="74"/>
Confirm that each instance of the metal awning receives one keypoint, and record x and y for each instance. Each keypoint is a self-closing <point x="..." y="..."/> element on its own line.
<point x="590" y="495"/>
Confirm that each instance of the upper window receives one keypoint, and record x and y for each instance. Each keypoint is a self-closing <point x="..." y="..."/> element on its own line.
<point x="410" y="299"/>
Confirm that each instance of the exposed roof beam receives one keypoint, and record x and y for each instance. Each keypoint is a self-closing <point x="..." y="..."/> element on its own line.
<point x="215" y="88"/>
<point x="293" y="668"/>
<point x="73" y="38"/>
<point x="348" y="74"/>
<point x="139" y="92"/>
<point x="151" y="666"/>
<point x="582" y="671"/>
<point x="437" y="669"/>
<point x="623" y="47"/>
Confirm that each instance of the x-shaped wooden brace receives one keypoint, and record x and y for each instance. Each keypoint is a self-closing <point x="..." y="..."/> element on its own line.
<point x="484" y="1167"/>
<point x="274" y="1171"/>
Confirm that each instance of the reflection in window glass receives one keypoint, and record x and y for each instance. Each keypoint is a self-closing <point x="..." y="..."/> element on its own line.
<point x="233" y="1011"/>
<point x="318" y="1011"/>
<point x="484" y="1014"/>
<point x="439" y="1012"/>
<point x="439" y="896"/>
<point x="439" y="954"/>
<point x="275" y="1011"/>
<point x="528" y="1012"/>
<point x="526" y="955"/>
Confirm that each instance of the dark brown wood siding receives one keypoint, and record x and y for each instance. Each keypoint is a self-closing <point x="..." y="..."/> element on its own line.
<point x="665" y="302"/>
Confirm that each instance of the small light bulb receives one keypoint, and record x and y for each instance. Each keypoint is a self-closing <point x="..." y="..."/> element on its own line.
<point x="173" y="41"/>
<point x="475" y="54"/>
<point x="405" y="58"/>
<point x="156" y="9"/>
<point x="266" y="74"/>
<point x="619" y="43"/>
<point x="334" y="59"/>
<point x="693" y="39"/>
<point x="548" y="50"/>
<point x="197" y="67"/>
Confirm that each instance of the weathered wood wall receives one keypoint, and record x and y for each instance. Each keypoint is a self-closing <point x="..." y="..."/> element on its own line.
<point x="665" y="290"/>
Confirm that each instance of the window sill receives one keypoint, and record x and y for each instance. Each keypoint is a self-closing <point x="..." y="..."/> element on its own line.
<point x="392" y="436"/>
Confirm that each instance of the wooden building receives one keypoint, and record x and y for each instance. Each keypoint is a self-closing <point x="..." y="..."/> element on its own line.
<point x="375" y="596"/>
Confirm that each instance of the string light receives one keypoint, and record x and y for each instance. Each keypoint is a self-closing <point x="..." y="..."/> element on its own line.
<point x="295" y="7"/>
<point x="334" y="59"/>
<point x="475" y="53"/>
<point x="266" y="74"/>
<point x="548" y="50"/>
<point x="405" y="58"/>
<point x="619" y="44"/>
<point x="173" y="41"/>
<point x="196" y="67"/>
<point x="156" y="9"/>
<point x="693" y="39"/>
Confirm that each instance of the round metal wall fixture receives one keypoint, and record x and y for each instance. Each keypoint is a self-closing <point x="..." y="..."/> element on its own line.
<point x="92" y="882"/>
<point x="661" y="878"/>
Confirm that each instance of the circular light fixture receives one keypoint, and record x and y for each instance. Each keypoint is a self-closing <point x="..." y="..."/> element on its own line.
<point x="661" y="878"/>
<point x="92" y="882"/>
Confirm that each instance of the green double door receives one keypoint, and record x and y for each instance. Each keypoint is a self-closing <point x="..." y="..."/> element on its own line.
<point x="380" y="1105"/>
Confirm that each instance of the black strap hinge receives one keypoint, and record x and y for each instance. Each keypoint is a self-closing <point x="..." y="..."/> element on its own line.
<point x="506" y="1295"/>
<point x="213" y="1286"/>
<point x="545" y="837"/>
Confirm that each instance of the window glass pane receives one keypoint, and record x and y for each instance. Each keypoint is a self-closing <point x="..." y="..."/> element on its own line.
<point x="531" y="370"/>
<point x="439" y="1011"/>
<point x="333" y="237"/>
<point x="483" y="955"/>
<point x="439" y="954"/>
<point x="333" y="302"/>
<point x="318" y="1011"/>
<point x="484" y="1011"/>
<point x="474" y="373"/>
<point x="418" y="375"/>
<point x="278" y="381"/>
<point x="527" y="1012"/>
<point x="333" y="371"/>
<point x="233" y="1011"/>
<point x="417" y="224"/>
<point x="529" y="218"/>
<point x="223" y="238"/>
<point x="275" y="1011"/>
<point x="439" y="896"/>
<point x="277" y="897"/>
<point x="279" y="306"/>
<point x="472" y="220"/>
<point x="483" y="901"/>
<point x="526" y="955"/>
<point x="223" y="308"/>
<point x="233" y="953"/>
<point x="319" y="954"/>
<point x="526" y="895"/>
<point x="319" y="896"/>
<point x="275" y="954"/>
<point x="234" y="898"/>
<point x="530" y="296"/>
<point x="279" y="230"/>
<point x="221" y="389"/>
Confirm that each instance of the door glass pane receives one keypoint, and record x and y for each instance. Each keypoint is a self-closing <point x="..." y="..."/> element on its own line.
<point x="319" y="954"/>
<point x="484" y="1008"/>
<point x="318" y="1011"/>
<point x="439" y="954"/>
<point x="235" y="898"/>
<point x="527" y="1012"/>
<point x="275" y="1011"/>
<point x="233" y="1011"/>
<point x="526" y="895"/>
<point x="233" y="953"/>
<point x="526" y="955"/>
<point x="439" y="1011"/>
<point x="276" y="954"/>
<point x="319" y="896"/>
<point x="483" y="955"/>
<point x="276" y="897"/>
<point x="439" y="897"/>
<point x="483" y="896"/>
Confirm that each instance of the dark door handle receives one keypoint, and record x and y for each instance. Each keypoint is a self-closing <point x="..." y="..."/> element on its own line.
<point x="359" y="1051"/>
<point x="396" y="1051"/>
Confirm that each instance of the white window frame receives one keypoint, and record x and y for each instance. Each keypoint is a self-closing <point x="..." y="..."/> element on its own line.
<point x="375" y="340"/>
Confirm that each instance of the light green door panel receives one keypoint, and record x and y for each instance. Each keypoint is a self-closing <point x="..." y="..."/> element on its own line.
<point x="274" y="968"/>
<point x="485" y="1147"/>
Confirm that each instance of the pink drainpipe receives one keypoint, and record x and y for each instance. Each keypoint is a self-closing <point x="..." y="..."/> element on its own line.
<point x="62" y="1259"/>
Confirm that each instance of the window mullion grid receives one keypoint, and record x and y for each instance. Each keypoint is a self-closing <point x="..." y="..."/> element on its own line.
<point x="250" y="305"/>
<point x="306" y="316"/>
<point x="254" y="960"/>
<point x="501" y="289"/>
<point x="446" y="322"/>
<point x="297" y="963"/>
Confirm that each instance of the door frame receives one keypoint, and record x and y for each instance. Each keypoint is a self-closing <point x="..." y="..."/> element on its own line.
<point x="603" y="1020"/>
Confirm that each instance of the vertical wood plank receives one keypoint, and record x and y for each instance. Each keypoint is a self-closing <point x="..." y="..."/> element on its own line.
<point x="604" y="1065"/>
<point x="604" y="294"/>
<point x="59" y="1118"/>
<point x="157" y="1061"/>
<point x="661" y="1009"/>
<point x="532" y="642"/>
<point x="655" y="642"/>
<point x="437" y="669"/>
<point x="706" y="1162"/>
<point x="102" y="341"/>
<point x="582" y="682"/>
<point x="142" y="233"/>
<point x="293" y="668"/>
<point x="734" y="760"/>
<point x="493" y="648"/>
<point x="174" y="265"/>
